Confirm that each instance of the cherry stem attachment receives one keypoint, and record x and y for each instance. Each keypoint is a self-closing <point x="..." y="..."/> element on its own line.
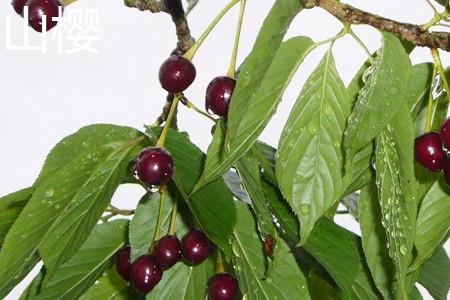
<point x="192" y="106"/>
<point x="118" y="211"/>
<point x="435" y="20"/>
<point x="430" y="113"/>
<point x="232" y="68"/>
<point x="191" y="52"/>
<point x="162" y="204"/>
<point x="361" y="44"/>
<point x="438" y="66"/>
<point x="173" y="109"/>
<point x="173" y="219"/>
<point x="219" y="264"/>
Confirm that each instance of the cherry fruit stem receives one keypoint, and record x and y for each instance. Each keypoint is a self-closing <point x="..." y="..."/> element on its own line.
<point x="232" y="68"/>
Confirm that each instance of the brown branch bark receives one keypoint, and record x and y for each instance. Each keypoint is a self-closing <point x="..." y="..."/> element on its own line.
<point x="408" y="32"/>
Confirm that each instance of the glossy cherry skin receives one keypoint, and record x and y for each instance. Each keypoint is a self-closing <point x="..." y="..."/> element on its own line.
<point x="428" y="151"/>
<point x="218" y="95"/>
<point x="445" y="133"/>
<point x="123" y="263"/>
<point x="18" y="6"/>
<point x="145" y="274"/>
<point x="223" y="287"/>
<point x="176" y="74"/>
<point x="196" y="247"/>
<point x="167" y="251"/>
<point x="154" y="166"/>
<point x="38" y="8"/>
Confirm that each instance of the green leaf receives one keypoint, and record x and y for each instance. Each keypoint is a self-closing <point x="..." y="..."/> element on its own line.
<point x="435" y="275"/>
<point x="212" y="206"/>
<point x="34" y="287"/>
<point x="183" y="282"/>
<point x="81" y="142"/>
<point x="321" y="289"/>
<point x="76" y="275"/>
<point x="357" y="83"/>
<point x="419" y="86"/>
<point x="433" y="222"/>
<point x="109" y="286"/>
<point x="335" y="248"/>
<point x="88" y="203"/>
<point x="395" y="178"/>
<point x="374" y="241"/>
<point x="10" y="207"/>
<point x="377" y="103"/>
<point x="248" y="169"/>
<point x="256" y="111"/>
<point x="309" y="159"/>
<point x="362" y="171"/>
<point x="286" y="280"/>
<point x="26" y="268"/>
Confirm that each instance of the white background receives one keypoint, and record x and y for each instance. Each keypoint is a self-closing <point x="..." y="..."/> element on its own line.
<point x="44" y="97"/>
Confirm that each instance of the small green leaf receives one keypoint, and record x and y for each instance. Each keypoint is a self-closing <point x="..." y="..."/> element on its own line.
<point x="362" y="171"/>
<point x="108" y="287"/>
<point x="183" y="282"/>
<point x="435" y="275"/>
<point x="244" y="126"/>
<point x="377" y="103"/>
<point x="76" y="275"/>
<point x="309" y="159"/>
<point x="419" y="86"/>
<point x="88" y="203"/>
<point x="286" y="280"/>
<point x="433" y="222"/>
<point x="212" y="206"/>
<point x="10" y="208"/>
<point x="397" y="188"/>
<point x="374" y="241"/>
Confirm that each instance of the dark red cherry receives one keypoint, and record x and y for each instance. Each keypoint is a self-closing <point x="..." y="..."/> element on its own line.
<point x="176" y="74"/>
<point x="218" y="95"/>
<point x="154" y="166"/>
<point x="123" y="262"/>
<point x="196" y="246"/>
<point x="445" y="133"/>
<point x="18" y="6"/>
<point x="145" y="274"/>
<point x="223" y="287"/>
<point x="38" y="8"/>
<point x="428" y="151"/>
<point x="167" y="251"/>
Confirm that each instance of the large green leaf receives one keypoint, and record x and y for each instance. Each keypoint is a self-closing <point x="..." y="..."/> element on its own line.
<point x="26" y="268"/>
<point x="374" y="241"/>
<point x="243" y="129"/>
<point x="362" y="171"/>
<point x="81" y="142"/>
<point x="76" y="275"/>
<point x="108" y="287"/>
<point x="10" y="207"/>
<point x="86" y="207"/>
<point x="385" y="82"/>
<point x="435" y="275"/>
<point x="419" y="86"/>
<point x="183" y="282"/>
<point x="48" y="201"/>
<point x="396" y="184"/>
<point x="212" y="206"/>
<point x="309" y="159"/>
<point x="34" y="288"/>
<point x="286" y="280"/>
<point x="433" y="222"/>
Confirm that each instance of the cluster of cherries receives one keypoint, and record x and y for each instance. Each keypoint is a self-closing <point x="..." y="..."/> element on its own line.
<point x="432" y="148"/>
<point x="37" y="9"/>
<point x="155" y="167"/>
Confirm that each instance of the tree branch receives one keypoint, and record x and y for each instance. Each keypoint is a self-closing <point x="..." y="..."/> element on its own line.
<point x="185" y="40"/>
<point x="415" y="34"/>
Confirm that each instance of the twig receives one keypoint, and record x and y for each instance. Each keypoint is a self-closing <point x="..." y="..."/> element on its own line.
<point x="408" y="32"/>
